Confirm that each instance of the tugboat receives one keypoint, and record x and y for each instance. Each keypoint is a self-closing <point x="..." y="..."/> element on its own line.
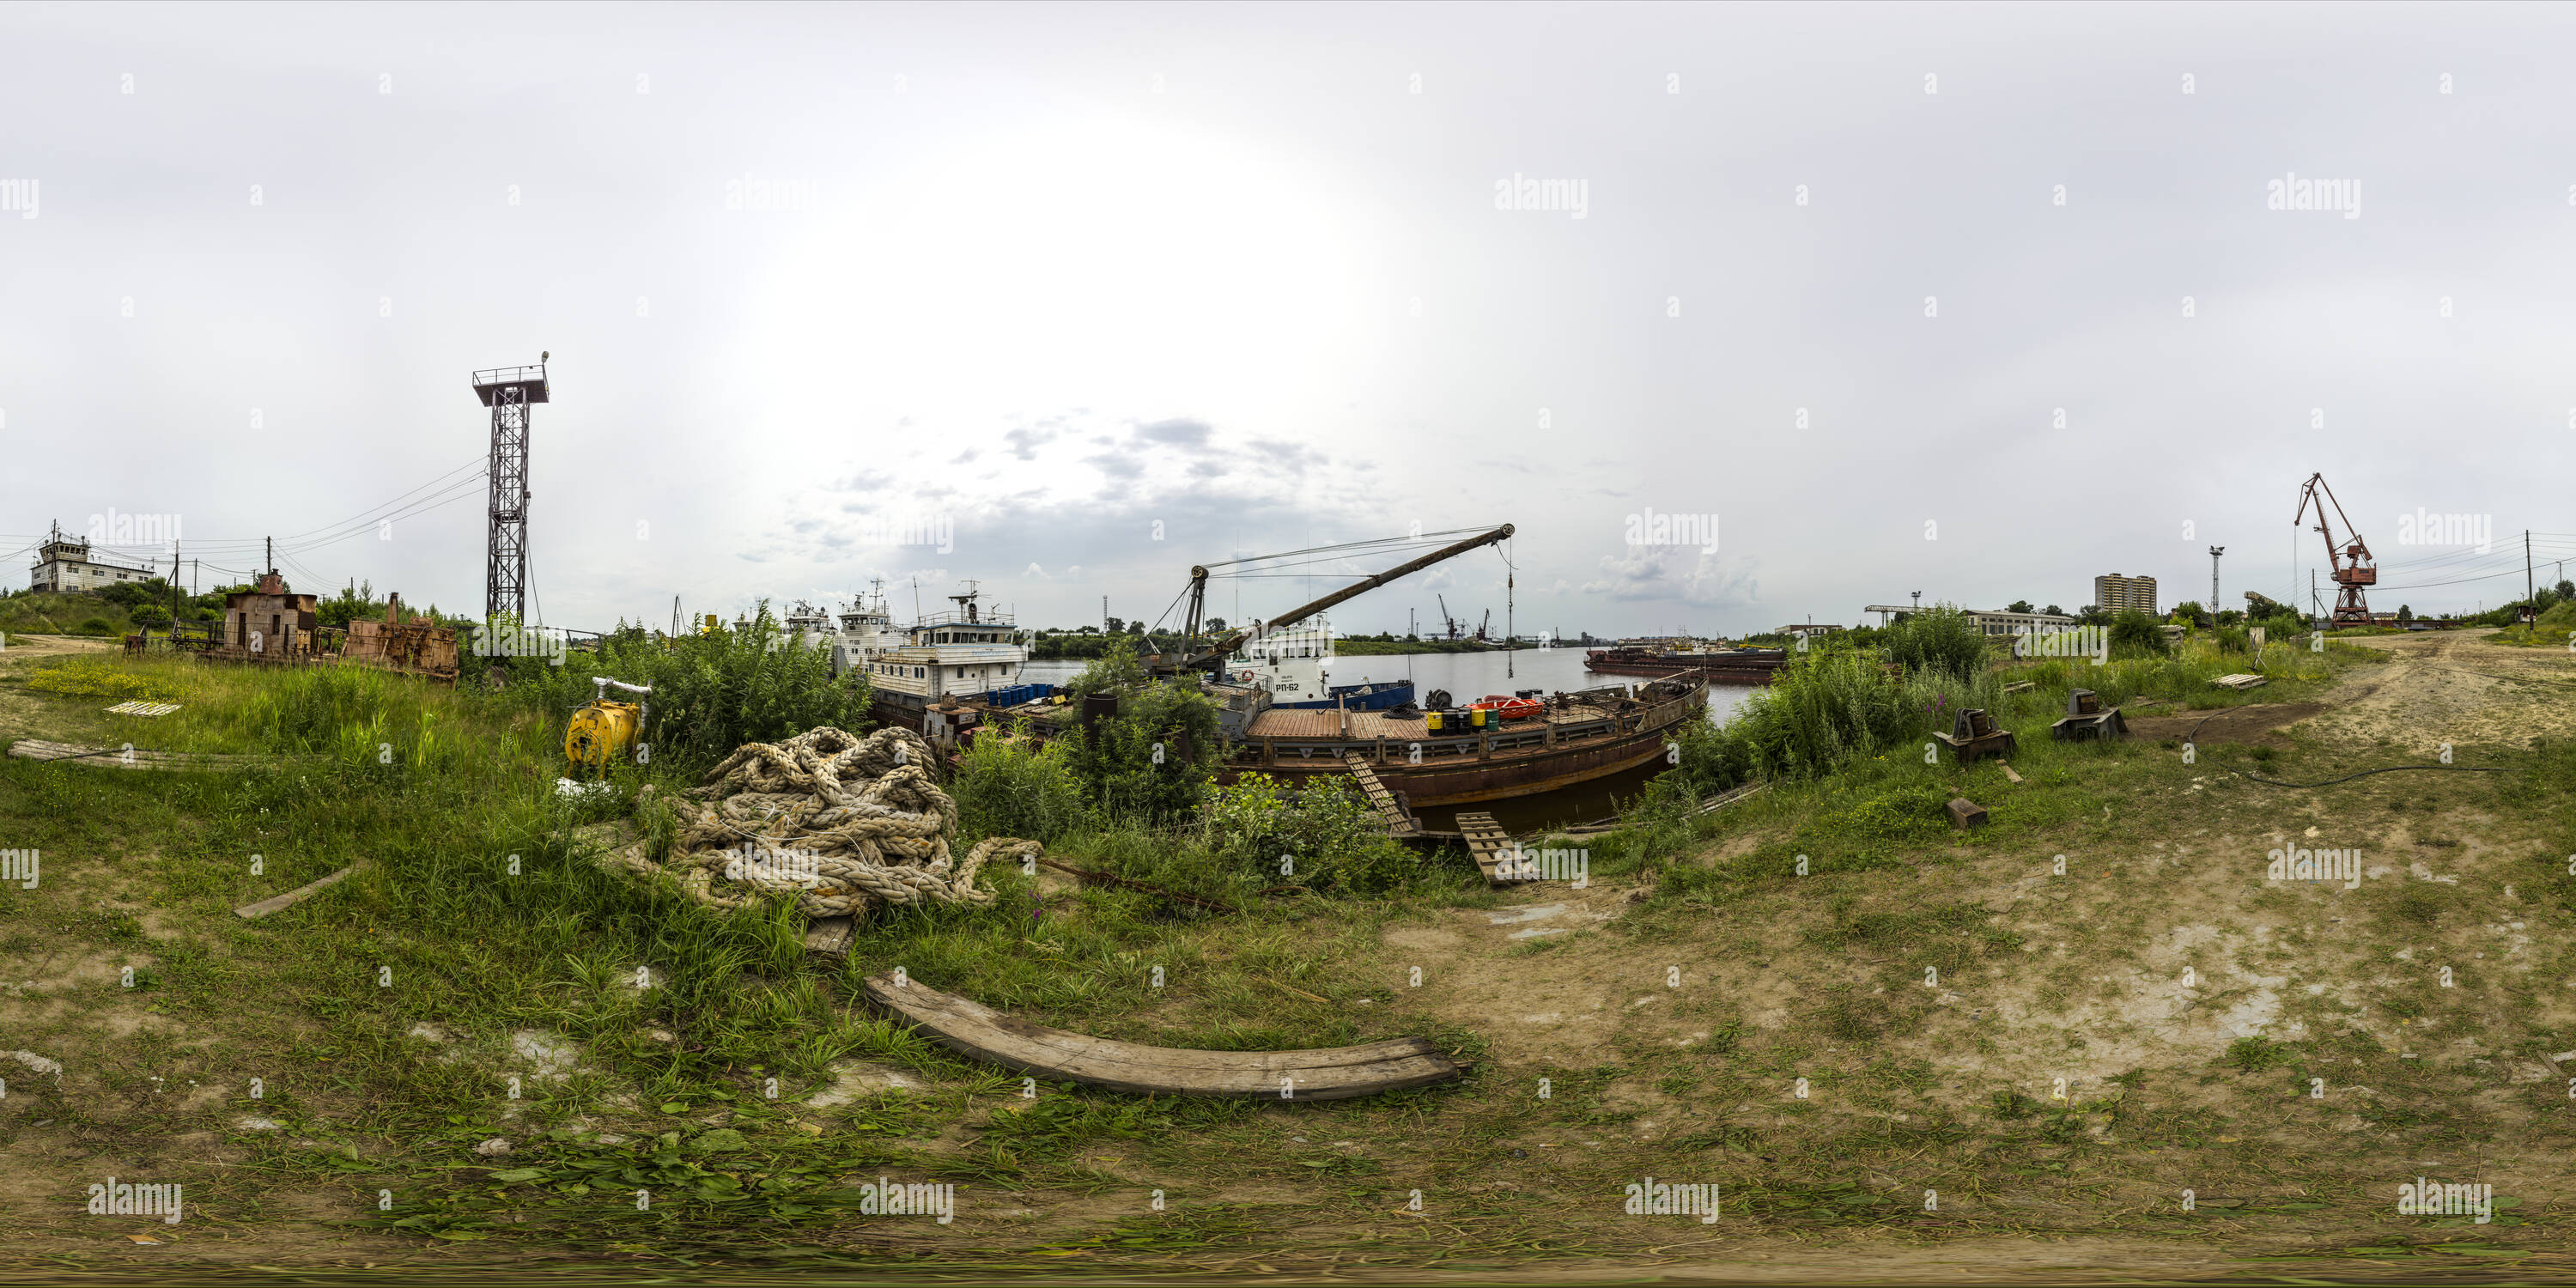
<point x="933" y="676"/>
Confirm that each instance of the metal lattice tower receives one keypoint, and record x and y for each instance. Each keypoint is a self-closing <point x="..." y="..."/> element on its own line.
<point x="509" y="391"/>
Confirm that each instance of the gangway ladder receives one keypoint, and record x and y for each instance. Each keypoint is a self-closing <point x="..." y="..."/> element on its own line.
<point x="1400" y="821"/>
<point x="1489" y="845"/>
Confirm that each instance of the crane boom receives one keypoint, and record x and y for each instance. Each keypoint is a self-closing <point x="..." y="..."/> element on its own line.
<point x="1234" y="639"/>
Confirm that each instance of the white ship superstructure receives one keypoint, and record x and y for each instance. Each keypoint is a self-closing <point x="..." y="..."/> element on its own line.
<point x="944" y="658"/>
<point x="1294" y="665"/>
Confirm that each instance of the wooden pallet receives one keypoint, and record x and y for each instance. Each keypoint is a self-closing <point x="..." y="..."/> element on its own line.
<point x="119" y="758"/>
<point x="1487" y="843"/>
<point x="139" y="707"/>
<point x="1399" y="821"/>
<point x="2240" y="683"/>
<point x="1055" y="1055"/>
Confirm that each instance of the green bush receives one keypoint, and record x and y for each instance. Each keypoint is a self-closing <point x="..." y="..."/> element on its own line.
<point x="2134" y="634"/>
<point x="1325" y="836"/>
<point x="1114" y="669"/>
<point x="1152" y="761"/>
<point x="1005" y="787"/>
<point x="1940" y="638"/>
<point x="150" y="615"/>
<point x="93" y="626"/>
<point x="711" y="693"/>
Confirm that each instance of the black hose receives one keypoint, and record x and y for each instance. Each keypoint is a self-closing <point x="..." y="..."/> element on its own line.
<point x="2466" y="769"/>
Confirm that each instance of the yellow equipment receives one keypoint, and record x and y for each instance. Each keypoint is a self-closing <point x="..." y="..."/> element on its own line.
<point x="713" y="625"/>
<point x="605" y="729"/>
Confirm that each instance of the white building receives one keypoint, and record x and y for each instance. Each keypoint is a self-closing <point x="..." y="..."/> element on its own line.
<point x="2000" y="622"/>
<point x="66" y="566"/>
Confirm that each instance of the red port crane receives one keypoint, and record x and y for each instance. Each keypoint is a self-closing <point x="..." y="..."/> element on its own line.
<point x="2353" y="566"/>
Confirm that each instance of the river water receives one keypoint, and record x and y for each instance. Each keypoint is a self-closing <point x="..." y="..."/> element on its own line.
<point x="1469" y="676"/>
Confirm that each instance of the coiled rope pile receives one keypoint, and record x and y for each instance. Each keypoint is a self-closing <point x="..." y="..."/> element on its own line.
<point x="841" y="822"/>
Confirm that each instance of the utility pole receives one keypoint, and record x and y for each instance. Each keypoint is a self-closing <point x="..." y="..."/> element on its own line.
<point x="272" y="555"/>
<point x="2528" y="592"/>
<point x="2214" y="553"/>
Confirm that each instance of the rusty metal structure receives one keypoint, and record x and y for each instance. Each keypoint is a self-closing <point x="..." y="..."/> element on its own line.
<point x="509" y="391"/>
<point x="1974" y="735"/>
<point x="2086" y="717"/>
<point x="2353" y="566"/>
<point x="418" y="646"/>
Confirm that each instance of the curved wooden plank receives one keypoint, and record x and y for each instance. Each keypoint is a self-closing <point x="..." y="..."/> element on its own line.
<point x="1330" y="1073"/>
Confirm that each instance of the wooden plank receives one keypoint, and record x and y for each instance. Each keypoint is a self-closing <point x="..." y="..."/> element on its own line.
<point x="1332" y="1073"/>
<point x="2008" y="771"/>
<point x="118" y="757"/>
<point x="831" y="936"/>
<point x="280" y="902"/>
<point x="139" y="707"/>
<point x="1486" y="841"/>
<point x="1398" y="821"/>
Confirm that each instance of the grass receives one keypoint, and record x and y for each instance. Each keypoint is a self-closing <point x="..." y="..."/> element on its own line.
<point x="1823" y="978"/>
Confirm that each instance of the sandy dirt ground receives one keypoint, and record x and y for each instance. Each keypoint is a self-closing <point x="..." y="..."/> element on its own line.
<point x="2455" y="687"/>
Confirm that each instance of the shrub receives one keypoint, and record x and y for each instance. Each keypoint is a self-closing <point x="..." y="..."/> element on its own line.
<point x="2134" y="634"/>
<point x="1004" y="787"/>
<point x="1113" y="670"/>
<point x="1152" y="761"/>
<point x="93" y="626"/>
<point x="1940" y="638"/>
<point x="711" y="693"/>
<point x="1326" y="836"/>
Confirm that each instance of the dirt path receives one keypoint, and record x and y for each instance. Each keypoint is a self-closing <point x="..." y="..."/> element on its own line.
<point x="2454" y="687"/>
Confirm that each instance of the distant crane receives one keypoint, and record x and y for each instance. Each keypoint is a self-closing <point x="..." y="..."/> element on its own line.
<point x="2353" y="566"/>
<point x="1480" y="626"/>
<point x="1448" y="624"/>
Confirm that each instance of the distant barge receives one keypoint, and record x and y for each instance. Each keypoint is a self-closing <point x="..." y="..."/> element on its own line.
<point x="1723" y="666"/>
<point x="1579" y="737"/>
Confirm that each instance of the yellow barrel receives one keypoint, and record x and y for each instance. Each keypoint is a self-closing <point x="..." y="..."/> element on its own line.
<point x="1433" y="717"/>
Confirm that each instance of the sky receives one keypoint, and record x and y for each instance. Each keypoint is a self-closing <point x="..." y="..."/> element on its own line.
<point x="1976" y="301"/>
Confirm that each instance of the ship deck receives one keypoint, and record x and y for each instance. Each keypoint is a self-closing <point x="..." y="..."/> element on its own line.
<point x="1368" y="726"/>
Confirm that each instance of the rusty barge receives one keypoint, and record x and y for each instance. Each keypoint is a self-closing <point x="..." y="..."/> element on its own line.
<point x="1721" y="666"/>
<point x="1580" y="736"/>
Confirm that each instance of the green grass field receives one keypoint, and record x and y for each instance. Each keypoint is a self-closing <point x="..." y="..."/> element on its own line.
<point x="1824" y="1001"/>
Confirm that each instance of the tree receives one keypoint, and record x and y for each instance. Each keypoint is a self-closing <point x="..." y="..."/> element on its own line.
<point x="2566" y="589"/>
<point x="1136" y="628"/>
<point x="2020" y="606"/>
<point x="2092" y="615"/>
<point x="2054" y="611"/>
<point x="1116" y="626"/>
<point x="1214" y="624"/>
<point x="2191" y="613"/>
<point x="150" y="615"/>
<point x="2229" y="617"/>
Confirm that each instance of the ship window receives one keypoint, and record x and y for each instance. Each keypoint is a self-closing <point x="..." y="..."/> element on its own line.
<point x="916" y="673"/>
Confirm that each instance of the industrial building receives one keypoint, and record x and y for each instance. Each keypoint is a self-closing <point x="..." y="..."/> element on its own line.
<point x="2113" y="593"/>
<point x="66" y="566"/>
<point x="2000" y="622"/>
<point x="268" y="623"/>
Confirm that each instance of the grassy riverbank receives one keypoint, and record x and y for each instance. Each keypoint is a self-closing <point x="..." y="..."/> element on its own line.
<point x="1930" y="987"/>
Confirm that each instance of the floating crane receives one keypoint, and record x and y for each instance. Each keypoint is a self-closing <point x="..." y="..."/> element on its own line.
<point x="2353" y="566"/>
<point x="1196" y="658"/>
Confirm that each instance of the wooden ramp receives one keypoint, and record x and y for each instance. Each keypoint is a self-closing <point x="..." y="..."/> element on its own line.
<point x="1331" y="1073"/>
<point x="1487" y="843"/>
<point x="1399" y="821"/>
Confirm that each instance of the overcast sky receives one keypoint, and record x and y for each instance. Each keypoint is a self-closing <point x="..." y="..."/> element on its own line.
<point x="1099" y="291"/>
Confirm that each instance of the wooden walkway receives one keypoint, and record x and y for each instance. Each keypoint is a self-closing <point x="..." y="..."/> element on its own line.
<point x="1330" y="1073"/>
<point x="1399" y="821"/>
<point x="1487" y="842"/>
